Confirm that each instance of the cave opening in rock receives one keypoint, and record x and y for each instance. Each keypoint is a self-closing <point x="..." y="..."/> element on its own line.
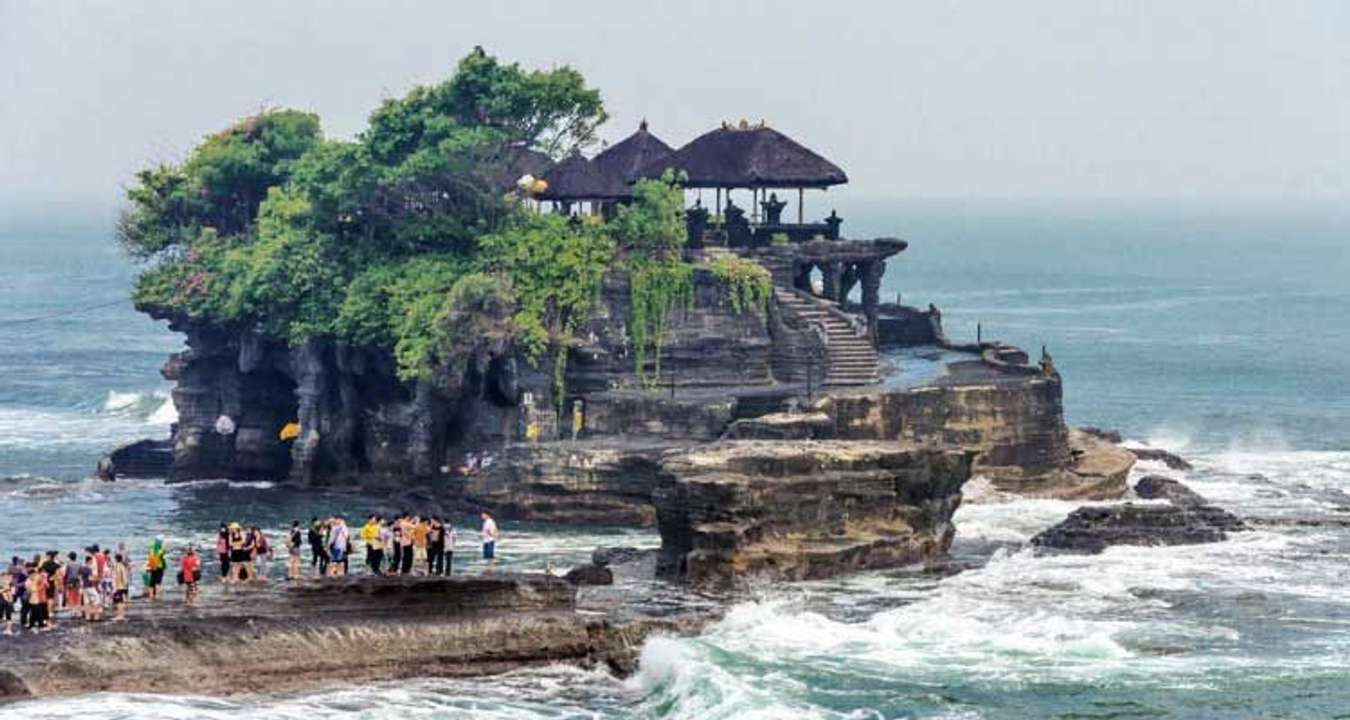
<point x="268" y="404"/>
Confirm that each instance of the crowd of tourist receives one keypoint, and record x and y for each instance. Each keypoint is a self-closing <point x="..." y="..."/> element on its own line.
<point x="35" y="592"/>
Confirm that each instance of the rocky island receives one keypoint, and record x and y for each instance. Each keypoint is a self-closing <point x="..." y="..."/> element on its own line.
<point x="461" y="307"/>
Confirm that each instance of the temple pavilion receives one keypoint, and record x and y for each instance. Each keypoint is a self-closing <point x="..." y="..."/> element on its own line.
<point x="809" y="260"/>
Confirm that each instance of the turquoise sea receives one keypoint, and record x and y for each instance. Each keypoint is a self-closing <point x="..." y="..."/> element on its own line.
<point x="1220" y="330"/>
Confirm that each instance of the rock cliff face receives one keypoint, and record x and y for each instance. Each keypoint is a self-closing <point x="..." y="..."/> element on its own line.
<point x="360" y="423"/>
<point x="797" y="510"/>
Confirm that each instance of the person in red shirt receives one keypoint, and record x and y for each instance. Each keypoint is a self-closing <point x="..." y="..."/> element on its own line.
<point x="189" y="574"/>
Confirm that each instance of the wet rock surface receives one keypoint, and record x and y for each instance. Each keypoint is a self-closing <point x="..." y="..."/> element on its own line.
<point x="1171" y="460"/>
<point x="802" y="510"/>
<point x="358" y="629"/>
<point x="1094" y="528"/>
<point x="1157" y="487"/>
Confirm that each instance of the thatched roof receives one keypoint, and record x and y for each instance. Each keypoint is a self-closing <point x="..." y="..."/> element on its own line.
<point x="577" y="178"/>
<point x="515" y="161"/>
<point x="749" y="157"/>
<point x="624" y="160"/>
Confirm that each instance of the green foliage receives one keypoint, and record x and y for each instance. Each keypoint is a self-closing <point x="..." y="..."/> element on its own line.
<point x="165" y="211"/>
<point x="473" y="324"/>
<point x="555" y="269"/>
<point x="397" y="304"/>
<point x="221" y="185"/>
<point x="652" y="225"/>
<point x="234" y="168"/>
<point x="657" y="289"/>
<point x="779" y="239"/>
<point x="747" y="284"/>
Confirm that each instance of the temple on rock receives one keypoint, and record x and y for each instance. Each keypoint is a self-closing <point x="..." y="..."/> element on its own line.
<point x="776" y="434"/>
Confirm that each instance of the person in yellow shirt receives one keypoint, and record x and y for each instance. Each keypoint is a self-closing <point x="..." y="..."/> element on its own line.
<point x="370" y="535"/>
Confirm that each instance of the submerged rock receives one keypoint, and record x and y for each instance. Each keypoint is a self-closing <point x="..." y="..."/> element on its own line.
<point x="1093" y="528"/>
<point x="1157" y="487"/>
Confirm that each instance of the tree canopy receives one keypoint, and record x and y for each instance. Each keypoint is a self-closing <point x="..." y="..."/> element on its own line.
<point x="402" y="238"/>
<point x="397" y="239"/>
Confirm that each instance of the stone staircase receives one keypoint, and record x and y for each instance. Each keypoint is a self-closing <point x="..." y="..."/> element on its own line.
<point x="850" y="358"/>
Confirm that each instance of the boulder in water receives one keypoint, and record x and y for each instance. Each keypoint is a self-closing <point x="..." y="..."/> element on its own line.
<point x="1171" y="460"/>
<point x="590" y="575"/>
<point x="1093" y="528"/>
<point x="1157" y="487"/>
<point x="140" y="459"/>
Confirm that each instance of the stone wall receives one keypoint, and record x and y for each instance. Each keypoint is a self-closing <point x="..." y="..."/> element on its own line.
<point x="706" y="345"/>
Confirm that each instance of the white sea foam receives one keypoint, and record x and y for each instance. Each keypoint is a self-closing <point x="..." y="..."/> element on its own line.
<point x="165" y="414"/>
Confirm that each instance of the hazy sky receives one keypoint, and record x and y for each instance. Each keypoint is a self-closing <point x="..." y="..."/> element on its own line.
<point x="1071" y="98"/>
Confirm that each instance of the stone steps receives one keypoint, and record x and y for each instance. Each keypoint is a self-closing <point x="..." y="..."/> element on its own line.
<point x="850" y="359"/>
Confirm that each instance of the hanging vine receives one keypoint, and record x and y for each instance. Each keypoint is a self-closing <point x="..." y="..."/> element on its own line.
<point x="657" y="288"/>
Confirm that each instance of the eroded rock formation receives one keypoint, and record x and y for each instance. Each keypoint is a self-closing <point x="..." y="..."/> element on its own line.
<point x="798" y="510"/>
<point x="1094" y="528"/>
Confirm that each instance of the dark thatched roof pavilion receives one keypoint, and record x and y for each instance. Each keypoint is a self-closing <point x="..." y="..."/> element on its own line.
<point x="748" y="156"/>
<point x="577" y="178"/>
<point x="516" y="161"/>
<point x="625" y="160"/>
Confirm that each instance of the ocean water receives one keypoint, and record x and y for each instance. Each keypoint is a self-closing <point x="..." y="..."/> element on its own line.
<point x="1218" y="330"/>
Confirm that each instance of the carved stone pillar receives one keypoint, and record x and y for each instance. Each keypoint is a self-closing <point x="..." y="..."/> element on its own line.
<point x="848" y="280"/>
<point x="871" y="293"/>
<point x="831" y="274"/>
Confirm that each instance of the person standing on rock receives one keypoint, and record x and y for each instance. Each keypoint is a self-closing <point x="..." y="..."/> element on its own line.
<point x="293" y="544"/>
<point x="421" y="534"/>
<point x="318" y="557"/>
<point x="155" y="562"/>
<point x="436" y="546"/>
<point x="370" y="535"/>
<point x="450" y="538"/>
<point x="262" y="554"/>
<point x="223" y="550"/>
<point x="189" y="574"/>
<point x="39" y="589"/>
<point x="90" y="602"/>
<point x="490" y="535"/>
<point x="239" y="554"/>
<point x="7" y="599"/>
<point x="405" y="561"/>
<point x="395" y="544"/>
<point x="338" y="539"/>
<point x="386" y="539"/>
<point x="70" y="584"/>
<point x="121" y="586"/>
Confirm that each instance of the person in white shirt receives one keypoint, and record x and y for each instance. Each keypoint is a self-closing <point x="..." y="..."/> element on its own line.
<point x="490" y="535"/>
